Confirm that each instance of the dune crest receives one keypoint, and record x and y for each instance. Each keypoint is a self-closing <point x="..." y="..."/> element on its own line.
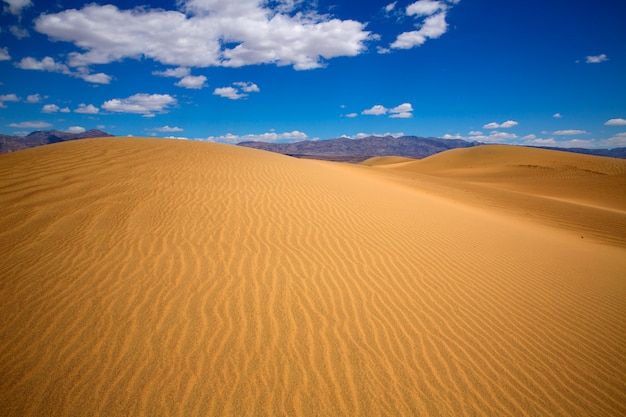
<point x="162" y="277"/>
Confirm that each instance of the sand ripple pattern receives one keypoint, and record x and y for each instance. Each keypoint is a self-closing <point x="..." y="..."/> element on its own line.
<point x="169" y="278"/>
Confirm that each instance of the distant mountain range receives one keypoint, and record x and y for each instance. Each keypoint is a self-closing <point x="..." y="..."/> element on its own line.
<point x="356" y="150"/>
<point x="340" y="149"/>
<point x="43" y="137"/>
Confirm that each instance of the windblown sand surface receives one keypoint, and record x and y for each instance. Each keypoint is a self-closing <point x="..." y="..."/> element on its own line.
<point x="169" y="278"/>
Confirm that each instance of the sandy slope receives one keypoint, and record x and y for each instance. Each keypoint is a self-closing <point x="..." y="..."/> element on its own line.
<point x="156" y="277"/>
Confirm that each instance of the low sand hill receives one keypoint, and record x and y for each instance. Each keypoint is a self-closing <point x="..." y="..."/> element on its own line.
<point x="581" y="193"/>
<point x="168" y="278"/>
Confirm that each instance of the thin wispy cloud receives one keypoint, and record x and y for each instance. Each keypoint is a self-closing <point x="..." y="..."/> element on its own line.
<point x="596" y="59"/>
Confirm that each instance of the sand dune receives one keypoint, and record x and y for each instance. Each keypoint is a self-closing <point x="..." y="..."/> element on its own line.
<point x="581" y="193"/>
<point x="159" y="277"/>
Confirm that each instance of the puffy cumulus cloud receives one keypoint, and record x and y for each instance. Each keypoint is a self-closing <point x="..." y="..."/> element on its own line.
<point x="145" y="104"/>
<point x="557" y="115"/>
<point x="247" y="87"/>
<point x="34" y="98"/>
<point x="87" y="109"/>
<point x="206" y="33"/>
<point x="4" y="54"/>
<point x="192" y="82"/>
<point x="98" y="78"/>
<point x="352" y="115"/>
<point x="16" y="6"/>
<point x="424" y="7"/>
<point x="433" y="25"/>
<point x="53" y="108"/>
<point x="569" y="132"/>
<point x="505" y="125"/>
<point x="596" y="59"/>
<point x="403" y="111"/>
<point x="615" y="122"/>
<point x="449" y="136"/>
<point x="186" y="79"/>
<point x="46" y="64"/>
<point x="76" y="129"/>
<point x="238" y="92"/>
<point x="30" y="125"/>
<point x="272" y="136"/>
<point x="7" y="97"/>
<point x="168" y="129"/>
<point x="50" y="65"/>
<point x="376" y="110"/>
<point x="229" y="92"/>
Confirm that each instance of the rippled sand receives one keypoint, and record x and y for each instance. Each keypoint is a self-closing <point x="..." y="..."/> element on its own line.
<point x="168" y="278"/>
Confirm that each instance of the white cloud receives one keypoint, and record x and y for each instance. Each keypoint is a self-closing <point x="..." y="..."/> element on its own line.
<point x="493" y="137"/>
<point x="7" y="97"/>
<point x="46" y="64"/>
<point x="424" y="8"/>
<point x="76" y="129"/>
<point x="271" y="136"/>
<point x="16" y="6"/>
<point x="617" y="141"/>
<point x="402" y="111"/>
<point x="390" y="7"/>
<point x="192" y="82"/>
<point x="30" y="125"/>
<point x="505" y="125"/>
<point x="34" y="98"/>
<point x="615" y="122"/>
<point x="401" y="115"/>
<point x="18" y="32"/>
<point x="237" y="93"/>
<point x="87" y="109"/>
<point x="433" y="27"/>
<point x="367" y="135"/>
<point x="4" y="54"/>
<point x="229" y="92"/>
<point x="99" y="78"/>
<point x="596" y="59"/>
<point x="207" y="33"/>
<point x="179" y="72"/>
<point x="351" y="115"/>
<point x="557" y="115"/>
<point x="570" y="132"/>
<point x="376" y="110"/>
<point x="402" y="108"/>
<point x="449" y="136"/>
<point x="168" y="129"/>
<point x="50" y="65"/>
<point x="475" y="133"/>
<point x="247" y="87"/>
<point x="145" y="104"/>
<point x="50" y="108"/>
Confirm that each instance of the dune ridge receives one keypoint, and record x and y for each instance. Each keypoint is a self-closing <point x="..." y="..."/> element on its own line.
<point x="161" y="277"/>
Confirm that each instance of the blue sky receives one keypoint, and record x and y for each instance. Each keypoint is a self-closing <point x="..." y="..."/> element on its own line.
<point x="530" y="72"/>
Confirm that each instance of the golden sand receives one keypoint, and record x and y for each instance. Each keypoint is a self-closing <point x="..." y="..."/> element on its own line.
<point x="173" y="278"/>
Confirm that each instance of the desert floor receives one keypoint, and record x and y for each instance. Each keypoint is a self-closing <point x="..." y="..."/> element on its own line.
<point x="175" y="278"/>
